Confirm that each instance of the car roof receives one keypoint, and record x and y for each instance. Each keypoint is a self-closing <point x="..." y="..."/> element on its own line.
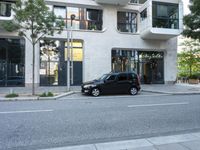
<point x="117" y="73"/>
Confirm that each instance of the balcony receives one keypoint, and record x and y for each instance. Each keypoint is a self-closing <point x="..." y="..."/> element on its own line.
<point x="113" y="2"/>
<point x="161" y="20"/>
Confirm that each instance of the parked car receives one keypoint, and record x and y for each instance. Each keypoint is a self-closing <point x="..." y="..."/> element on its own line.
<point x="113" y="83"/>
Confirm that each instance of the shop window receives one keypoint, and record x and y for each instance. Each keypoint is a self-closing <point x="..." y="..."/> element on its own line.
<point x="12" y="58"/>
<point x="127" y="22"/>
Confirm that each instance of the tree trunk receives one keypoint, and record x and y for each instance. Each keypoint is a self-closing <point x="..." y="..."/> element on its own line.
<point x="33" y="73"/>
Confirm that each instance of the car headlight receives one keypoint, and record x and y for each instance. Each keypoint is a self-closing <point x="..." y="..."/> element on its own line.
<point x="89" y="85"/>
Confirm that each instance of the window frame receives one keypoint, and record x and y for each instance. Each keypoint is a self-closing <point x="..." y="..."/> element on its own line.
<point x="10" y="9"/>
<point x="131" y="24"/>
<point x="167" y="19"/>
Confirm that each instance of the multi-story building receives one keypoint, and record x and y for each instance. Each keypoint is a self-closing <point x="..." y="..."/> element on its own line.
<point x="108" y="35"/>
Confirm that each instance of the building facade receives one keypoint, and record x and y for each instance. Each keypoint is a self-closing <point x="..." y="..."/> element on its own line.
<point x="107" y="35"/>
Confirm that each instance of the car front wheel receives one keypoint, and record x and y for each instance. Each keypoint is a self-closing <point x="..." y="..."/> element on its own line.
<point x="95" y="92"/>
<point x="133" y="91"/>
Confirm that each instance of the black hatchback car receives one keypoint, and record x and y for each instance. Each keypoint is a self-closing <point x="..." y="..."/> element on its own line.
<point x="113" y="83"/>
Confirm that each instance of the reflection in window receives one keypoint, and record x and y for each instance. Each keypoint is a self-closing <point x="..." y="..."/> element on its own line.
<point x="77" y="51"/>
<point x="138" y="1"/>
<point x="127" y="22"/>
<point x="12" y="56"/>
<point x="87" y="19"/>
<point x="60" y="11"/>
<point x="165" y="15"/>
<point x="5" y="9"/>
<point x="149" y="65"/>
<point x="143" y="14"/>
<point x="123" y="61"/>
<point x="49" y="60"/>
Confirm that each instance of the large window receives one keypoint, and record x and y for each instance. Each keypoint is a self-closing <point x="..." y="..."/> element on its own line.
<point x="148" y="64"/>
<point x="138" y="1"/>
<point x="53" y="62"/>
<point x="165" y="15"/>
<point x="5" y="9"/>
<point x="12" y="57"/>
<point x="86" y="18"/>
<point x="127" y="22"/>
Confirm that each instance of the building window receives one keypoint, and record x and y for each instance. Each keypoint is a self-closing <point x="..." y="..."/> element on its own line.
<point x="12" y="62"/>
<point x="148" y="64"/>
<point x="165" y="15"/>
<point x="143" y="14"/>
<point x="5" y="9"/>
<point x="60" y="11"/>
<point x="86" y="18"/>
<point x="138" y="1"/>
<point x="53" y="62"/>
<point x="127" y="22"/>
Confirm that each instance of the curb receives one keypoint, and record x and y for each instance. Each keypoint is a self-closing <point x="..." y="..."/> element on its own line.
<point x="36" y="97"/>
<point x="172" y="93"/>
<point x="145" y="143"/>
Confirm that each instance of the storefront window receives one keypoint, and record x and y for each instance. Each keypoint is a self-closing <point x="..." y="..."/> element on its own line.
<point x="53" y="62"/>
<point x="12" y="57"/>
<point x="127" y="22"/>
<point x="149" y="65"/>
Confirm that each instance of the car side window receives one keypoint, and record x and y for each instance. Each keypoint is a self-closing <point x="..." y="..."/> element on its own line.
<point x="131" y="76"/>
<point x="122" y="77"/>
<point x="111" y="78"/>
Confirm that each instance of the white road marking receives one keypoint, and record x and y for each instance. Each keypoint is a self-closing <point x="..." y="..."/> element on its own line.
<point x="26" y="111"/>
<point x="152" y="105"/>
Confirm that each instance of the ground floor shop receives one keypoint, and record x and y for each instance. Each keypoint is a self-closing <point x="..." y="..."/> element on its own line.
<point x="51" y="62"/>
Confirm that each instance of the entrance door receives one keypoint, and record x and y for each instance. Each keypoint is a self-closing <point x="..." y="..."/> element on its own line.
<point x="151" y="67"/>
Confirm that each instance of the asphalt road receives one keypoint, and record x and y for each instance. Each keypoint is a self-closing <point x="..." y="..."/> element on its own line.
<point x="26" y="125"/>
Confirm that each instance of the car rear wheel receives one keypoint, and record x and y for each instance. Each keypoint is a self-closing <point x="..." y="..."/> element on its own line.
<point x="95" y="92"/>
<point x="133" y="91"/>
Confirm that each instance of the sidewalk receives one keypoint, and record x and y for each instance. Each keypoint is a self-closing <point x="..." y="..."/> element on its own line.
<point x="175" y="142"/>
<point x="179" y="88"/>
<point x="176" y="89"/>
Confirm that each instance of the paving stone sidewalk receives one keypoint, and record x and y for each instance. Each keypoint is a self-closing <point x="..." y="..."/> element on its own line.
<point x="176" y="142"/>
<point x="180" y="88"/>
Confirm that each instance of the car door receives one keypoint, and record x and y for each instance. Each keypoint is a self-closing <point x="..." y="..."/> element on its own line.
<point x="109" y="86"/>
<point x="122" y="83"/>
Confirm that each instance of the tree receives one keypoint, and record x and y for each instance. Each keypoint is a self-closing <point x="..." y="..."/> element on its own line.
<point x="192" y="21"/>
<point x="189" y="58"/>
<point x="33" y="20"/>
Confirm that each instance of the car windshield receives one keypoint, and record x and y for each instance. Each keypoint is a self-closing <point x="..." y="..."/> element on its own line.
<point x="103" y="77"/>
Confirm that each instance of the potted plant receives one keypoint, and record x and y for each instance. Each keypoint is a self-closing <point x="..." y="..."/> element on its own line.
<point x="193" y="79"/>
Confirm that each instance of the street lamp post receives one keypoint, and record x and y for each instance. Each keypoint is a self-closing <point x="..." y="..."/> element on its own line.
<point x="72" y="57"/>
<point x="68" y="51"/>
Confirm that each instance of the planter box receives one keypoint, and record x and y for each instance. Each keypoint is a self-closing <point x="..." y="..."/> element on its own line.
<point x="193" y="81"/>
